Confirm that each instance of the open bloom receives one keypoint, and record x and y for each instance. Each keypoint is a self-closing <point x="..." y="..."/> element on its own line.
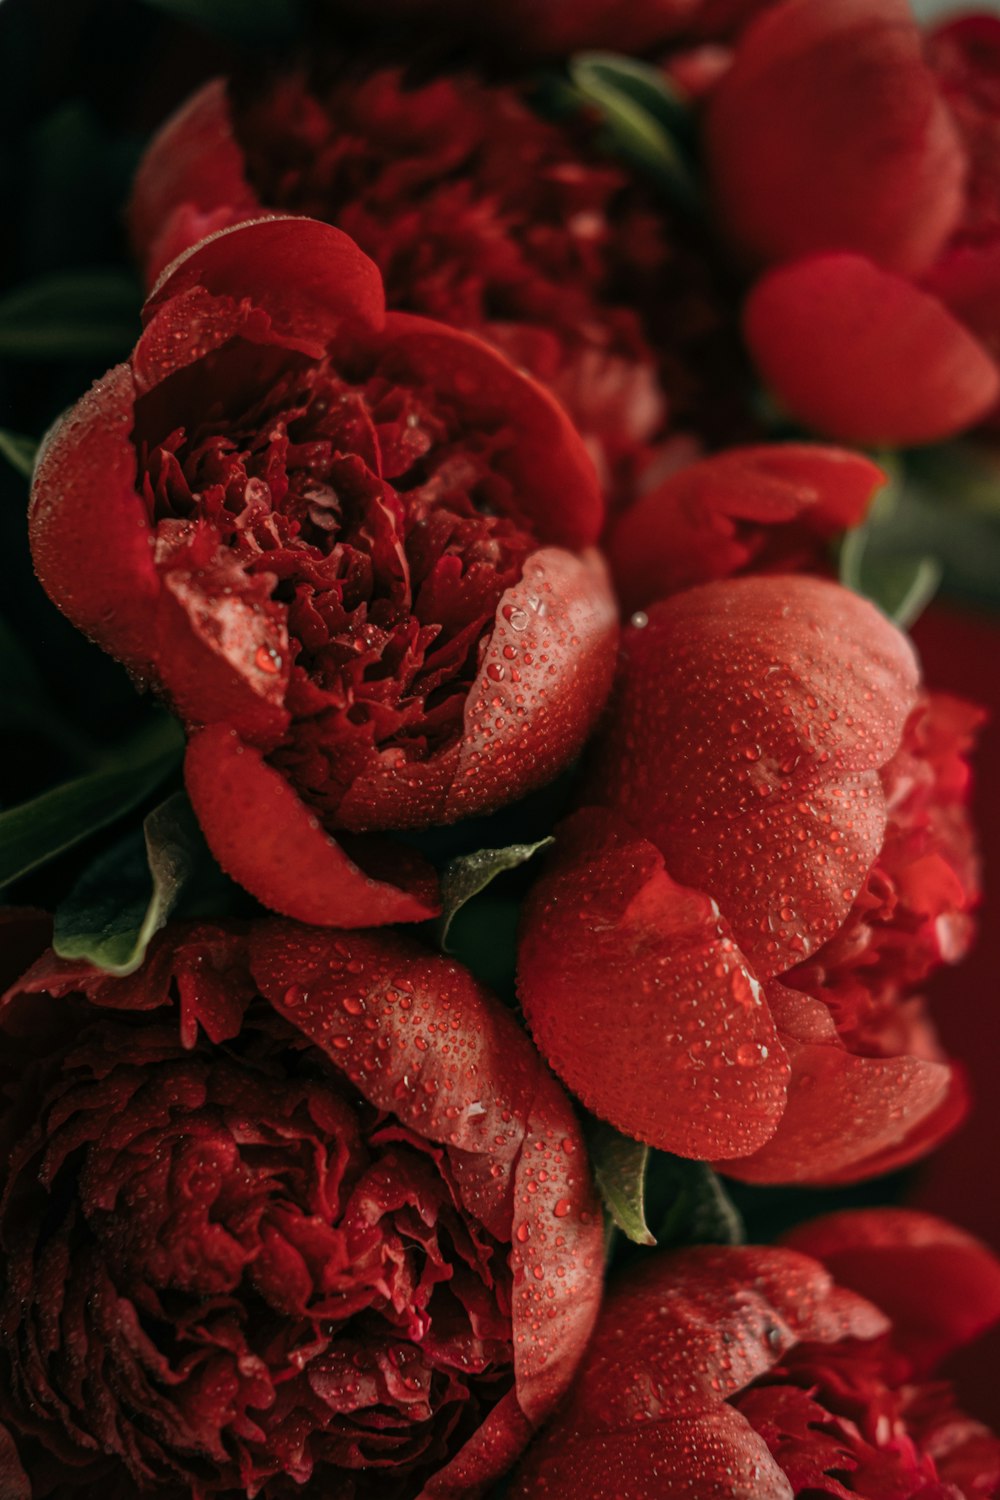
<point x="756" y="1374"/>
<point x="345" y="546"/>
<point x="723" y="958"/>
<point x="481" y="213"/>
<point x="856" y="159"/>
<point x="284" y="1208"/>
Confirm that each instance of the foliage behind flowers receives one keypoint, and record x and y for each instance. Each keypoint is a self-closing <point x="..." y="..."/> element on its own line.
<point x="451" y="351"/>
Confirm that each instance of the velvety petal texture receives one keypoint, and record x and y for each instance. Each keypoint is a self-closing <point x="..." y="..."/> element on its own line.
<point x="716" y="1373"/>
<point x="350" y="549"/>
<point x="728" y="953"/>
<point x="285" y="1207"/>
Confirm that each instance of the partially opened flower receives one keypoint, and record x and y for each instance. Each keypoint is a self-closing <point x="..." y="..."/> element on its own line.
<point x="479" y="212"/>
<point x="723" y="958"/>
<point x="345" y="546"/>
<point x="755" y="1374"/>
<point x="855" y="157"/>
<point x="282" y="1209"/>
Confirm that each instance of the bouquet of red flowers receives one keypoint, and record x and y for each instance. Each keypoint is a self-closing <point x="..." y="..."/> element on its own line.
<point x="496" y="955"/>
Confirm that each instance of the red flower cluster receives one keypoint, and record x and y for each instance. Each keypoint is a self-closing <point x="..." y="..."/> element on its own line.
<point x="722" y="957"/>
<point x="282" y="1207"/>
<point x="479" y="212"/>
<point x="339" y="542"/>
<point x="858" y="159"/>
<point x="752" y="1373"/>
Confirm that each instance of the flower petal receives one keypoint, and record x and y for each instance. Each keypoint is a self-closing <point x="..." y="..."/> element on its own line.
<point x="829" y="132"/>
<point x="749" y="725"/>
<point x="638" y="997"/>
<point x="864" y="356"/>
<point x="264" y="836"/>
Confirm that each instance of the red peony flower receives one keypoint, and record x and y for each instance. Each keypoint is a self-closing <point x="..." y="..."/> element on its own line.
<point x="749" y="1374"/>
<point x="479" y="212"/>
<point x="284" y="1208"/>
<point x="344" y="546"/>
<point x="856" y="158"/>
<point x="772" y="507"/>
<point x="724" y="958"/>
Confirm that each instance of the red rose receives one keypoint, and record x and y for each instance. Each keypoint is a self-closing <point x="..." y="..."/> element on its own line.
<point x="724" y="958"/>
<point x="343" y="545"/>
<point x="283" y="1207"/>
<point x="480" y="213"/>
<point x="749" y="1374"/>
<point x="848" y="154"/>
<point x="772" y="507"/>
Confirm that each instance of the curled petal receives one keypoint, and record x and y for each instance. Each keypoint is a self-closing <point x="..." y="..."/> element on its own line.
<point x="554" y="483"/>
<point x="750" y="722"/>
<point x="829" y="132"/>
<point x="639" y="998"/>
<point x="191" y="179"/>
<point x="883" y="1106"/>
<point x="939" y="1285"/>
<point x="865" y="356"/>
<point x="90" y="536"/>
<point x="713" y="518"/>
<point x="542" y="683"/>
<point x="264" y="836"/>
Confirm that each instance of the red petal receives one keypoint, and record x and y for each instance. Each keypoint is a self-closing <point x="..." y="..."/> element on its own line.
<point x="90" y="538"/>
<point x="751" y="719"/>
<point x="939" y="1285"/>
<point x="14" y="1483"/>
<point x="686" y="530"/>
<point x="307" y="278"/>
<point x="829" y="132"/>
<point x="864" y="356"/>
<point x="192" y="178"/>
<point x="640" y="1000"/>
<point x="555" y="486"/>
<point x="967" y="280"/>
<point x="264" y="836"/>
<point x="542" y="683"/>
<point x="880" y="1106"/>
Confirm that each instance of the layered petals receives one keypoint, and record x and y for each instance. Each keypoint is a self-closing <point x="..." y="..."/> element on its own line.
<point x="355" y="1245"/>
<point x="336" y="547"/>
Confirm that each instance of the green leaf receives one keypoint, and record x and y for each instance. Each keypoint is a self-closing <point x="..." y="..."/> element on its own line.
<point x="129" y="892"/>
<point x="468" y="874"/>
<point x="876" y="559"/>
<point x="689" y="1205"/>
<point x="253" y="21"/>
<point x="19" y="451"/>
<point x="37" y="831"/>
<point x="643" y="119"/>
<point x="619" y="1165"/>
<point x="71" y="315"/>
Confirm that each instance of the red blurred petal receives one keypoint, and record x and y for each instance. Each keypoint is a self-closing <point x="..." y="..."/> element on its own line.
<point x="555" y="486"/>
<point x="967" y="280"/>
<point x="864" y="356"/>
<point x="192" y="177"/>
<point x="640" y="1000"/>
<point x="264" y="836"/>
<point x="749" y="725"/>
<point x="686" y="531"/>
<point x="542" y="682"/>
<point x="939" y="1285"/>
<point x="90" y="539"/>
<point x="882" y="1106"/>
<point x="829" y="133"/>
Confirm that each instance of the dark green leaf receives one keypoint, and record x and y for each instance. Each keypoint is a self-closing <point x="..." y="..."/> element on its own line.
<point x="688" y="1204"/>
<point x="19" y="451"/>
<point x="468" y="874"/>
<point x="71" y="315"/>
<point x="37" y="831"/>
<point x="129" y="892"/>
<point x="619" y="1165"/>
<point x="877" y="560"/>
<point x="253" y="21"/>
<point x="641" y="117"/>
